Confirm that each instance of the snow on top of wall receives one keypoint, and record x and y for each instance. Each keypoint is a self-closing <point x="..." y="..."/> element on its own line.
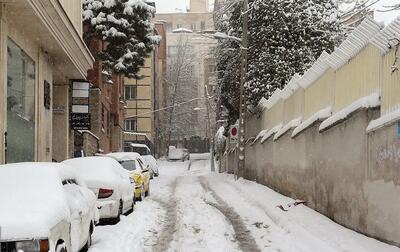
<point x="271" y="132"/>
<point x="317" y="70"/>
<point x="262" y="104"/>
<point x="182" y="30"/>
<point x="275" y="97"/>
<point x="382" y="121"/>
<point x="260" y="135"/>
<point x="294" y="82"/>
<point x="370" y="101"/>
<point x="354" y="43"/>
<point x="320" y="115"/>
<point x="292" y="124"/>
<point x="386" y="38"/>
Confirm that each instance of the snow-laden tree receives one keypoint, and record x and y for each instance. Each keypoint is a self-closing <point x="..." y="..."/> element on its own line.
<point x="125" y="26"/>
<point x="181" y="117"/>
<point x="228" y="21"/>
<point x="286" y="37"/>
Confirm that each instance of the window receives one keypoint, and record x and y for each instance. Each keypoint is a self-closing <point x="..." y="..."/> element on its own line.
<point x="20" y="105"/>
<point x="130" y="124"/>
<point x="179" y="26"/>
<point x="193" y="27"/>
<point x="202" y="25"/>
<point x="172" y="50"/>
<point x="130" y="92"/>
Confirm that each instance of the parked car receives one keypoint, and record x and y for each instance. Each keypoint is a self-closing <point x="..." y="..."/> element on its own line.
<point x="152" y="162"/>
<point x="178" y="154"/>
<point x="141" y="149"/>
<point x="45" y="206"/>
<point x="140" y="172"/>
<point x="109" y="181"/>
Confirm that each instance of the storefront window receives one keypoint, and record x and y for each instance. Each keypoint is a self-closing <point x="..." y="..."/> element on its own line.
<point x="20" y="105"/>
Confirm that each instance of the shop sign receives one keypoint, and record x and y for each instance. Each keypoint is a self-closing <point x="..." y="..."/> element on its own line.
<point x="80" y="121"/>
<point x="80" y="116"/>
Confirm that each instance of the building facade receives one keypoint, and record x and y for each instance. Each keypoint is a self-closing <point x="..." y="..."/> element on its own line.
<point x="41" y="50"/>
<point x="194" y="29"/>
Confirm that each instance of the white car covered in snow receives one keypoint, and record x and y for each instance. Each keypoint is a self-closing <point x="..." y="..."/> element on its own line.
<point x="44" y="207"/>
<point x="109" y="181"/>
<point x="152" y="163"/>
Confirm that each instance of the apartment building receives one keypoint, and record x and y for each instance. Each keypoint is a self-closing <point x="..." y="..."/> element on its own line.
<point x="41" y="51"/>
<point x="196" y="27"/>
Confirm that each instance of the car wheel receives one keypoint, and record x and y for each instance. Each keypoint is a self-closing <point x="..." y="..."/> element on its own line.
<point x="88" y="243"/>
<point x="61" y="247"/>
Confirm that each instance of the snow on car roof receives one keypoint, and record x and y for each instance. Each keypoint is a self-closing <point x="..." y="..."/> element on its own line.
<point x="98" y="171"/>
<point x="140" y="146"/>
<point x="123" y="156"/>
<point x="32" y="199"/>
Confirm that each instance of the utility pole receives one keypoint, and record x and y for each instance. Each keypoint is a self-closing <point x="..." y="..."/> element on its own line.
<point x="210" y="131"/>
<point x="242" y="110"/>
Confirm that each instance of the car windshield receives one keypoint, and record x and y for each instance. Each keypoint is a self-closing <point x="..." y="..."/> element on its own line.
<point x="129" y="165"/>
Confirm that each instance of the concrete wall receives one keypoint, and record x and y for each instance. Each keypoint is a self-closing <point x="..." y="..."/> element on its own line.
<point x="342" y="172"/>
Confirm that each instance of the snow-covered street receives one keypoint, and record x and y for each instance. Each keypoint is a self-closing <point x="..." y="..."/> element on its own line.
<point x="192" y="209"/>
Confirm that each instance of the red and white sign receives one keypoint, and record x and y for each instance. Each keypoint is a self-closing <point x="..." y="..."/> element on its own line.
<point x="234" y="134"/>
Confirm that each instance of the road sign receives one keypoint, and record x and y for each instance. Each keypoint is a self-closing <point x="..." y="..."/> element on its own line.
<point x="234" y="134"/>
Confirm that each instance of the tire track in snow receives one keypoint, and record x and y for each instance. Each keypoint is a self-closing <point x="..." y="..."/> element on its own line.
<point x="242" y="234"/>
<point x="170" y="222"/>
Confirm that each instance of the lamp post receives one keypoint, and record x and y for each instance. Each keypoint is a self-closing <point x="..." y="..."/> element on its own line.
<point x="244" y="42"/>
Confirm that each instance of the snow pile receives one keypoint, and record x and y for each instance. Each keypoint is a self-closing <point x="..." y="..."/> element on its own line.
<point x="32" y="199"/>
<point x="220" y="139"/>
<point x="370" y="101"/>
<point x="271" y="132"/>
<point x="387" y="119"/>
<point x="298" y="229"/>
<point x="292" y="124"/>
<point x="320" y="115"/>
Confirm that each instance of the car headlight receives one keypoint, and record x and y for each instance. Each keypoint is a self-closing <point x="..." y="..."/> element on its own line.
<point x="27" y="246"/>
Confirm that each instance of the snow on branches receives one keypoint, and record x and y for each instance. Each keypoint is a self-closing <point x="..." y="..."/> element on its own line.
<point x="125" y="26"/>
<point x="286" y="37"/>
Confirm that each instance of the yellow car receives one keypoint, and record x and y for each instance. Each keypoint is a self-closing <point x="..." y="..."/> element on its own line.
<point x="140" y="172"/>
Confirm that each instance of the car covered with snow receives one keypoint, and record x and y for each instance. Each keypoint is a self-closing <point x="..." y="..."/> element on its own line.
<point x="152" y="163"/>
<point x="178" y="154"/>
<point x="140" y="172"/>
<point x="109" y="181"/>
<point x="44" y="207"/>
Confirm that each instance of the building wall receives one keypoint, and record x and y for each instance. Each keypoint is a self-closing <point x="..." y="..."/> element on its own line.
<point x="343" y="170"/>
<point x="141" y="107"/>
<point x="186" y="20"/>
<point x="73" y="8"/>
<point x="390" y="84"/>
<point x="61" y="122"/>
<point x="319" y="94"/>
<point x="350" y="86"/>
<point x="294" y="106"/>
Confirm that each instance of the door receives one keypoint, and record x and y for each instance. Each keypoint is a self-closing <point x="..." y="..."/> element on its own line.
<point x="21" y="79"/>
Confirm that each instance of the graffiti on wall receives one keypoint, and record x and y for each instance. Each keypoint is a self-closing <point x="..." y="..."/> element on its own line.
<point x="388" y="154"/>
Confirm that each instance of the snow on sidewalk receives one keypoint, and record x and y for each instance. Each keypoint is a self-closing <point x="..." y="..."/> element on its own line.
<point x="304" y="228"/>
<point x="192" y="209"/>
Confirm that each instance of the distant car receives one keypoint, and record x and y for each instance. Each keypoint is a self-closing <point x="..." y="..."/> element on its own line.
<point x="45" y="206"/>
<point x="141" y="149"/>
<point x="152" y="162"/>
<point x="139" y="171"/>
<point x="109" y="181"/>
<point x="178" y="154"/>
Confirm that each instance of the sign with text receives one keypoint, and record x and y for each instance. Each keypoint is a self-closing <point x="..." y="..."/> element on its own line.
<point x="80" y="116"/>
<point x="80" y="121"/>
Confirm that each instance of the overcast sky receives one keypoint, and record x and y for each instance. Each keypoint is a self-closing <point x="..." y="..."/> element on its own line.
<point x="168" y="6"/>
